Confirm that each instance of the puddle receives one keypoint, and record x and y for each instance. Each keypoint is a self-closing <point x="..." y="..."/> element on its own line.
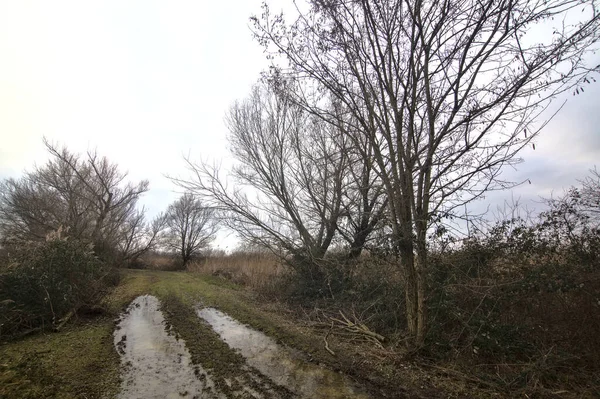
<point x="278" y="363"/>
<point x="157" y="365"/>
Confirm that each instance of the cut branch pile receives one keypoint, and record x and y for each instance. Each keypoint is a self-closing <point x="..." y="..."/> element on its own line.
<point x="350" y="329"/>
<point x="358" y="328"/>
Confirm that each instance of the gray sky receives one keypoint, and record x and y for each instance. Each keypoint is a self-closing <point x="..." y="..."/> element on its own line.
<point x="146" y="82"/>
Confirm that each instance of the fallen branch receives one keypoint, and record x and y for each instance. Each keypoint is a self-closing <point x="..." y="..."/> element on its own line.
<point x="358" y="329"/>
<point x="327" y="343"/>
<point x="65" y="319"/>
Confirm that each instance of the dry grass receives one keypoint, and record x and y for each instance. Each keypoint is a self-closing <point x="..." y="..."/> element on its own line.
<point x="159" y="261"/>
<point x="253" y="269"/>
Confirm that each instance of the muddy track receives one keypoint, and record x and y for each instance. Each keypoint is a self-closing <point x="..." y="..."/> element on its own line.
<point x="171" y="350"/>
<point x="156" y="364"/>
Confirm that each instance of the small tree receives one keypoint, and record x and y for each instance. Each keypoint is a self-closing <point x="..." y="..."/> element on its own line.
<point x="192" y="227"/>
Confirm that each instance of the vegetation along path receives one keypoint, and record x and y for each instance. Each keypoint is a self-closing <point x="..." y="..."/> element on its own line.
<point x="177" y="335"/>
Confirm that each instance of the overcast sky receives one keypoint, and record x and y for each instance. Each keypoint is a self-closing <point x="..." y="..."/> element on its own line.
<point x="146" y="82"/>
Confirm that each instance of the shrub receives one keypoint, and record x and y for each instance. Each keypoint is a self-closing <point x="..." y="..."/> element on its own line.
<point x="45" y="281"/>
<point x="523" y="294"/>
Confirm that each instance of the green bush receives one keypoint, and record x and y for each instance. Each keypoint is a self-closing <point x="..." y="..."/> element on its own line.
<point x="523" y="293"/>
<point x="45" y="281"/>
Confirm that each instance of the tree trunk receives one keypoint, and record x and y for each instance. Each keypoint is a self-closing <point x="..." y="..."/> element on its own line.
<point x="414" y="266"/>
<point x="421" y="269"/>
<point x="358" y="243"/>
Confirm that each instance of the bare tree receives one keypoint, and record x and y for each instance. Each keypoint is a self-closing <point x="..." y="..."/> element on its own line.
<point x="447" y="93"/>
<point x="45" y="199"/>
<point x="590" y="195"/>
<point x="103" y="189"/>
<point x="85" y="196"/>
<point x="27" y="213"/>
<point x="289" y="177"/>
<point x="192" y="227"/>
<point x="136" y="236"/>
<point x="364" y="200"/>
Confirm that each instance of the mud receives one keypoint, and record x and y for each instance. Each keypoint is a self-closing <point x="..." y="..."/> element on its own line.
<point x="281" y="365"/>
<point x="156" y="364"/>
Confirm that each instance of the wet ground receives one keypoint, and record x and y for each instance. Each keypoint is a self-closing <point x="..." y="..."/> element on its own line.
<point x="158" y="365"/>
<point x="283" y="366"/>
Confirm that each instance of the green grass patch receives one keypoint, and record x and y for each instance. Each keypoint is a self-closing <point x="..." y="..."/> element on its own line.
<point x="78" y="362"/>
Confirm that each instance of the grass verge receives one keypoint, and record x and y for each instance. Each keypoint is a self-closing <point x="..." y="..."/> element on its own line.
<point x="77" y="362"/>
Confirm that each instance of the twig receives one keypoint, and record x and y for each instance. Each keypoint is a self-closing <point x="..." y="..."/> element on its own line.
<point x="461" y="375"/>
<point x="325" y="339"/>
<point x="65" y="319"/>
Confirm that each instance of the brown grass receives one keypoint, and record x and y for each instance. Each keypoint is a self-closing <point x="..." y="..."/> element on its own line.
<point x="252" y="269"/>
<point x="159" y="261"/>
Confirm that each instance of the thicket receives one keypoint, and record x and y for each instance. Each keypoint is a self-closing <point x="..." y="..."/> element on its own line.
<point x="85" y="197"/>
<point x="43" y="284"/>
<point x="521" y="304"/>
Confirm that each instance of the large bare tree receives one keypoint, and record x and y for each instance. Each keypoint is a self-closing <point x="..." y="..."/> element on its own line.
<point x="111" y="200"/>
<point x="447" y="92"/>
<point x="289" y="177"/>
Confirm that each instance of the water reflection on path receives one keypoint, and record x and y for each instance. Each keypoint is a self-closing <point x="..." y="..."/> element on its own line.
<point x="278" y="363"/>
<point x="157" y="365"/>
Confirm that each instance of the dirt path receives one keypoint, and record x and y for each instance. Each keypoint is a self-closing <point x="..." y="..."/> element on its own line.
<point x="156" y="364"/>
<point x="172" y="342"/>
<point x="184" y="328"/>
